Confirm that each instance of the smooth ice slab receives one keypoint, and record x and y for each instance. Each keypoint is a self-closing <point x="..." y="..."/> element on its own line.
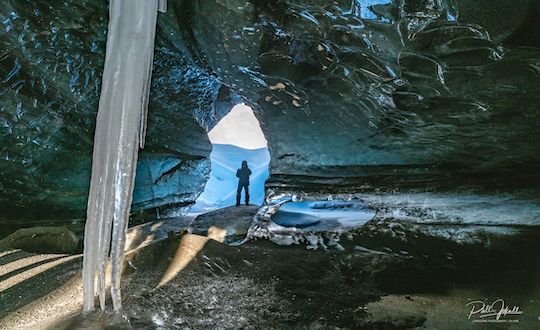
<point x="323" y="215"/>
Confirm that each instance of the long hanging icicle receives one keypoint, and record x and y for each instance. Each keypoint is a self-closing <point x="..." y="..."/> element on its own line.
<point x="120" y="130"/>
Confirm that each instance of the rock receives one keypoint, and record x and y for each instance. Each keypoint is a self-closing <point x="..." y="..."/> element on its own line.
<point x="226" y="222"/>
<point x="394" y="312"/>
<point x="217" y="234"/>
<point x="43" y="240"/>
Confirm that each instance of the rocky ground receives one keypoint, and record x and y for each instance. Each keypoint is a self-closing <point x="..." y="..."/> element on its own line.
<point x="388" y="276"/>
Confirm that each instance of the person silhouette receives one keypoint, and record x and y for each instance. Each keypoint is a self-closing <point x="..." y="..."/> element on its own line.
<point x="243" y="174"/>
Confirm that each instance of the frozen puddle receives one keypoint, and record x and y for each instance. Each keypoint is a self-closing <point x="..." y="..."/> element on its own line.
<point x="323" y="215"/>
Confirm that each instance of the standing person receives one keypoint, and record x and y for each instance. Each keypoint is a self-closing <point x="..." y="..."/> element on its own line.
<point x="243" y="174"/>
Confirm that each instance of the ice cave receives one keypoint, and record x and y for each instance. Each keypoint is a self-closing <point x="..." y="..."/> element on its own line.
<point x="392" y="145"/>
<point x="235" y="138"/>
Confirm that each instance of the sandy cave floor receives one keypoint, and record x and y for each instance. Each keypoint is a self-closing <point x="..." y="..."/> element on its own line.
<point x="191" y="281"/>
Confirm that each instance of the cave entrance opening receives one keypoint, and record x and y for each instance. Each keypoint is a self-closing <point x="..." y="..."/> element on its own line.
<point x="235" y="138"/>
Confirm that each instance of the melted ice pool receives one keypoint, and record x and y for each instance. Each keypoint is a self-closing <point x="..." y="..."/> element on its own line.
<point x="323" y="215"/>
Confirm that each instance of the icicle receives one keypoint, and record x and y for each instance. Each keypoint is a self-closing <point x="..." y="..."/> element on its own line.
<point x="120" y="130"/>
<point x="162" y="6"/>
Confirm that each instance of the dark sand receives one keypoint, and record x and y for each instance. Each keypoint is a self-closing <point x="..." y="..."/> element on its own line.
<point x="380" y="281"/>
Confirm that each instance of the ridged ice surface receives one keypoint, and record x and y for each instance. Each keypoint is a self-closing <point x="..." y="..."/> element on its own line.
<point x="320" y="221"/>
<point x="413" y="95"/>
<point x="367" y="91"/>
<point x="51" y="62"/>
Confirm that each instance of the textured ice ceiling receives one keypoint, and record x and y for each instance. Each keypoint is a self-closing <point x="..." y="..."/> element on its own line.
<point x="378" y="94"/>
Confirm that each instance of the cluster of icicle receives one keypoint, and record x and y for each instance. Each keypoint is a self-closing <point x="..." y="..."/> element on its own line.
<point x="120" y="131"/>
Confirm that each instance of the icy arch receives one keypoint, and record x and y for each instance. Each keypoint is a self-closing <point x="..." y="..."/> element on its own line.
<point x="237" y="137"/>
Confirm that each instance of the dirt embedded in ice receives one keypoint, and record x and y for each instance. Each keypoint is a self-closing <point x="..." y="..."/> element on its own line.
<point x="210" y="302"/>
<point x="404" y="251"/>
<point x="257" y="284"/>
<point x="260" y="284"/>
<point x="457" y="208"/>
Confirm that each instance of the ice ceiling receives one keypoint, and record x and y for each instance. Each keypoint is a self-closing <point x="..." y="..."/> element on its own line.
<point x="403" y="94"/>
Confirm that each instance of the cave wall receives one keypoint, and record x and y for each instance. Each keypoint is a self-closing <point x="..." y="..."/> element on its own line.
<point x="397" y="94"/>
<point x="51" y="61"/>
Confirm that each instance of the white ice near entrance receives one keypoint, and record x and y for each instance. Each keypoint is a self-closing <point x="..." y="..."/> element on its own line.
<point x="239" y="128"/>
<point x="237" y="137"/>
